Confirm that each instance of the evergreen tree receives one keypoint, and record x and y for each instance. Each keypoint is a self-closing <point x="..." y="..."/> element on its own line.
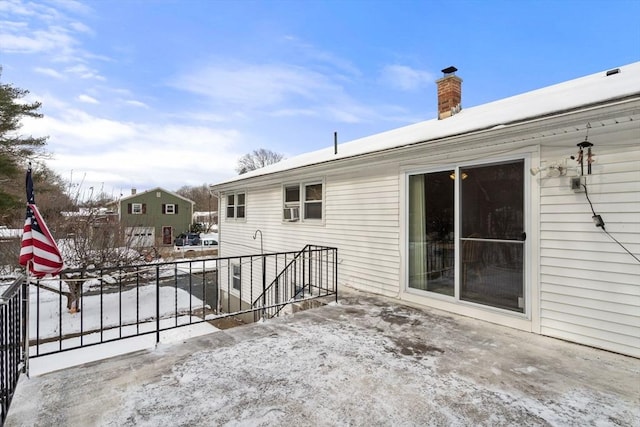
<point x="15" y="148"/>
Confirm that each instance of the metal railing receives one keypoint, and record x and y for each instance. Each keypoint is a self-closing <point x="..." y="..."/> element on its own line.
<point x="13" y="312"/>
<point x="87" y="307"/>
<point x="310" y="274"/>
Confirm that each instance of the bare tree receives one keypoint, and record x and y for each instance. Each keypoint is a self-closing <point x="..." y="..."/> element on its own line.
<point x="201" y="195"/>
<point x="257" y="159"/>
<point x="93" y="240"/>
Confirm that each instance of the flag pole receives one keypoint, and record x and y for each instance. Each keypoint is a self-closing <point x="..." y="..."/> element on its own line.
<point x="38" y="253"/>
<point x="25" y="298"/>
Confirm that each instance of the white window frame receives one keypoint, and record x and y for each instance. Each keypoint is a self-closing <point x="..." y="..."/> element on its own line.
<point x="243" y="205"/>
<point x="170" y="209"/>
<point x="236" y="277"/>
<point x="290" y="208"/>
<point x="136" y="208"/>
<point x="528" y="290"/>
<point x="304" y="201"/>
<point x="235" y="207"/>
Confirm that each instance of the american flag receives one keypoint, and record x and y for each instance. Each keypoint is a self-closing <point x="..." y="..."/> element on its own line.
<point x="37" y="244"/>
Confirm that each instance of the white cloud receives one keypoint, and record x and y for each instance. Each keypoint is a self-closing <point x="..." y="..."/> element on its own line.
<point x="36" y="28"/>
<point x="21" y="38"/>
<point x="72" y="125"/>
<point x="84" y="72"/>
<point x="405" y="78"/>
<point x="135" y="103"/>
<point x="276" y="90"/>
<point x="72" y="6"/>
<point x="87" y="99"/>
<point x="136" y="154"/>
<point x="49" y="72"/>
<point x="80" y="27"/>
<point x="15" y="7"/>
<point x="323" y="58"/>
<point x="257" y="85"/>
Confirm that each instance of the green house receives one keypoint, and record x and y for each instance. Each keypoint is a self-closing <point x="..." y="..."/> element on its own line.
<point x="154" y="217"/>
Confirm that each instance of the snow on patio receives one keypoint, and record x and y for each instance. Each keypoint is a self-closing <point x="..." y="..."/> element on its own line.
<point x="365" y="361"/>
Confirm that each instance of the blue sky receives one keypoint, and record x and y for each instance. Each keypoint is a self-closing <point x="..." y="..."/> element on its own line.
<point x="146" y="93"/>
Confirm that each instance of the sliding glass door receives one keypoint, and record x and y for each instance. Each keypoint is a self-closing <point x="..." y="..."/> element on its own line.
<point x="490" y="244"/>
<point x="431" y="232"/>
<point x="492" y="235"/>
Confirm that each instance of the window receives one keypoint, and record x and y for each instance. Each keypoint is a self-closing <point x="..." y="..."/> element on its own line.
<point x="136" y="208"/>
<point x="237" y="276"/>
<point x="236" y="206"/>
<point x="240" y="205"/>
<point x="305" y="197"/>
<point x="231" y="206"/>
<point x="313" y="201"/>
<point x="485" y="230"/>
<point x="169" y="209"/>
<point x="291" y="211"/>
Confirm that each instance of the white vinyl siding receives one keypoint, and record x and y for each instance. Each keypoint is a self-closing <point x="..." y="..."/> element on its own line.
<point x="360" y="219"/>
<point x="581" y="285"/>
<point x="590" y="287"/>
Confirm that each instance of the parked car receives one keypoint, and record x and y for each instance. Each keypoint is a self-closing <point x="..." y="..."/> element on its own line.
<point x="207" y="244"/>
<point x="187" y="239"/>
<point x="209" y="240"/>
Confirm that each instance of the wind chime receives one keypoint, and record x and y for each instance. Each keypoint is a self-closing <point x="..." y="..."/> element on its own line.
<point x="590" y="158"/>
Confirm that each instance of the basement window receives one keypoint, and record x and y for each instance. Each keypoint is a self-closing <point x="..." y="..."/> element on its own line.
<point x="237" y="276"/>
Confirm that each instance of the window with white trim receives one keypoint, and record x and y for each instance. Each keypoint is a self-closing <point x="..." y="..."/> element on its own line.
<point x="236" y="205"/>
<point x="136" y="208"/>
<point x="169" y="209"/>
<point x="313" y="201"/>
<point x="291" y="209"/>
<point x="302" y="200"/>
<point x="237" y="276"/>
<point x="473" y="248"/>
<point x="240" y="205"/>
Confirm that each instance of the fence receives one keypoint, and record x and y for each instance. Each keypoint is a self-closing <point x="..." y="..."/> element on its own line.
<point x="310" y="273"/>
<point x="86" y="307"/>
<point x="12" y="339"/>
<point x="82" y="308"/>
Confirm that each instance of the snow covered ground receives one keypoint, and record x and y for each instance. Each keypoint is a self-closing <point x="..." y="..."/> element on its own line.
<point x="365" y="361"/>
<point x="126" y="314"/>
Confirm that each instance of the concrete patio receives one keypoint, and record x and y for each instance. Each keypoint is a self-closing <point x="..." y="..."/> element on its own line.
<point x="364" y="361"/>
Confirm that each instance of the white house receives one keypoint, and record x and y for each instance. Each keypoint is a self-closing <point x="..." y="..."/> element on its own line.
<point x="481" y="212"/>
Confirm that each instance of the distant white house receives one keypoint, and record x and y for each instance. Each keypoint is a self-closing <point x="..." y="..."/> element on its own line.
<point x="484" y="212"/>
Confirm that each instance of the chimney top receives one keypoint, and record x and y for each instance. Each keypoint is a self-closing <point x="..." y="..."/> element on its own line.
<point x="449" y="70"/>
<point x="449" y="93"/>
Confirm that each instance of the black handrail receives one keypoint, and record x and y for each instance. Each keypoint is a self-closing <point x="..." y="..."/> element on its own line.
<point x="275" y="281"/>
<point x="117" y="296"/>
<point x="313" y="273"/>
<point x="88" y="307"/>
<point x="13" y="329"/>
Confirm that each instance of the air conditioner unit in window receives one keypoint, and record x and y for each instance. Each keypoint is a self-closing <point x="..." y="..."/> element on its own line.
<point x="291" y="214"/>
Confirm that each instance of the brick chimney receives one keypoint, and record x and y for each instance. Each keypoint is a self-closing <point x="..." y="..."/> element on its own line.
<point x="449" y="93"/>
